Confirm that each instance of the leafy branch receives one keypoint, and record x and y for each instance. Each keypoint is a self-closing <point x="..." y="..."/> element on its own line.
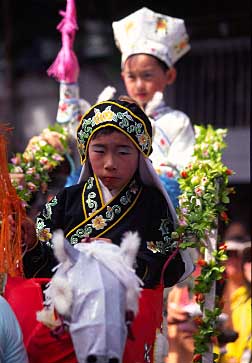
<point x="31" y="169"/>
<point x="204" y="199"/>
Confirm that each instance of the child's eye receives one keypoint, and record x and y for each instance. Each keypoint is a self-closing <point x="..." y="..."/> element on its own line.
<point x="124" y="151"/>
<point x="98" y="150"/>
<point x="147" y="75"/>
<point x="130" y="76"/>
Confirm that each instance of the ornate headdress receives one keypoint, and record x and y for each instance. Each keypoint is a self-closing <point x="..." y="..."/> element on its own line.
<point x="124" y="116"/>
<point x="145" y="31"/>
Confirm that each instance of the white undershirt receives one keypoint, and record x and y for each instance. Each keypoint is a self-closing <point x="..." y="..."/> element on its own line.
<point x="106" y="193"/>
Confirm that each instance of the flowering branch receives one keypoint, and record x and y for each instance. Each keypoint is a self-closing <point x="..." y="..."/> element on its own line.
<point x="31" y="169"/>
<point x="205" y="195"/>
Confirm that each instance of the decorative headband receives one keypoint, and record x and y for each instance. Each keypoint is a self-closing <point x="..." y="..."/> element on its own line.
<point x="125" y="117"/>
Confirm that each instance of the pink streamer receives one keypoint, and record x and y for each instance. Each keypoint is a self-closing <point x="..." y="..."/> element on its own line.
<point x="66" y="68"/>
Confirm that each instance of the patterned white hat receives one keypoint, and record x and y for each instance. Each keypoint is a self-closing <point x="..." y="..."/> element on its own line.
<point x="145" y="31"/>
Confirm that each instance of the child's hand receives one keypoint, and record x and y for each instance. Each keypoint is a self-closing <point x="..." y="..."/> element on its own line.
<point x="28" y="232"/>
<point x="29" y="235"/>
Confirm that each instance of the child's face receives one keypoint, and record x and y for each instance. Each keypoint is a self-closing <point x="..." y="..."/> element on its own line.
<point x="114" y="159"/>
<point x="143" y="77"/>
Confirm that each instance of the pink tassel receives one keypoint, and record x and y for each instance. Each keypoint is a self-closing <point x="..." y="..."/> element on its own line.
<point x="66" y="68"/>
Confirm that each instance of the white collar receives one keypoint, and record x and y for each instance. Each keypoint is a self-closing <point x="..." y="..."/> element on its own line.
<point x="106" y="193"/>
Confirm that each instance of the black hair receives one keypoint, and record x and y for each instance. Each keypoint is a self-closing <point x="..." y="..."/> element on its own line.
<point x="105" y="131"/>
<point x="161" y="63"/>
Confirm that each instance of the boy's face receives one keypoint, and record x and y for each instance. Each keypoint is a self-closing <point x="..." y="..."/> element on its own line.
<point x="114" y="159"/>
<point x="143" y="77"/>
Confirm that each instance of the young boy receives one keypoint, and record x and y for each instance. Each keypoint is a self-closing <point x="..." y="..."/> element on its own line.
<point x="119" y="191"/>
<point x="151" y="43"/>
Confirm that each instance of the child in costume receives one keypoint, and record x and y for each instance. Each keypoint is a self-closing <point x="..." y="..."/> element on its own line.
<point x="119" y="191"/>
<point x="151" y="43"/>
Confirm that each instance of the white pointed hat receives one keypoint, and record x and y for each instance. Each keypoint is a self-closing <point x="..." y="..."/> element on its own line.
<point x="145" y="31"/>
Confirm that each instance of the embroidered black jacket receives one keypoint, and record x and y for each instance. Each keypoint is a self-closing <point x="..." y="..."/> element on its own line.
<point x="80" y="212"/>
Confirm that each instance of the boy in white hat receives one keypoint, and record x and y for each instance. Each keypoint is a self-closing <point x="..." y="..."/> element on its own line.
<point x="151" y="43"/>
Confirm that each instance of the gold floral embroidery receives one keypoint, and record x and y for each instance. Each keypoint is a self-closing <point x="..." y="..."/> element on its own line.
<point x="98" y="118"/>
<point x="44" y="234"/>
<point x="106" y="115"/>
<point x="152" y="247"/>
<point x="143" y="139"/>
<point x="98" y="222"/>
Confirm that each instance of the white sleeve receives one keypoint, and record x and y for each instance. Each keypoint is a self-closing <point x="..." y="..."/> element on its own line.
<point x="173" y="140"/>
<point x="181" y="148"/>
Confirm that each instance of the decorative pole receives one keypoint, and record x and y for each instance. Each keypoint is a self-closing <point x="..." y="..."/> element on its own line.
<point x="204" y="186"/>
<point x="65" y="69"/>
<point x="211" y="247"/>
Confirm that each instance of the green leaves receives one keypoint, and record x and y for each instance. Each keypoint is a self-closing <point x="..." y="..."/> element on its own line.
<point x="43" y="154"/>
<point x="203" y="201"/>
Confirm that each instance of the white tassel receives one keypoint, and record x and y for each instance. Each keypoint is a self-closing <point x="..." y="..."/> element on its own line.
<point x="129" y="247"/>
<point x="106" y="94"/>
<point x="58" y="246"/>
<point x="156" y="100"/>
<point x="61" y="294"/>
<point x="132" y="299"/>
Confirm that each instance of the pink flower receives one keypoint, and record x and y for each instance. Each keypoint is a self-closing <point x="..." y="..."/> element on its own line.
<point x="31" y="186"/>
<point x="30" y="170"/>
<point x="24" y="204"/>
<point x="16" y="160"/>
<point x="199" y="191"/>
<point x="57" y="157"/>
<point x="43" y="160"/>
<point x="18" y="170"/>
<point x="170" y="174"/>
<point x="184" y="211"/>
<point x="182" y="222"/>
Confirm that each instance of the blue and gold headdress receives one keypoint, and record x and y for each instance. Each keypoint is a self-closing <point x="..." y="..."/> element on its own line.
<point x="126" y="117"/>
